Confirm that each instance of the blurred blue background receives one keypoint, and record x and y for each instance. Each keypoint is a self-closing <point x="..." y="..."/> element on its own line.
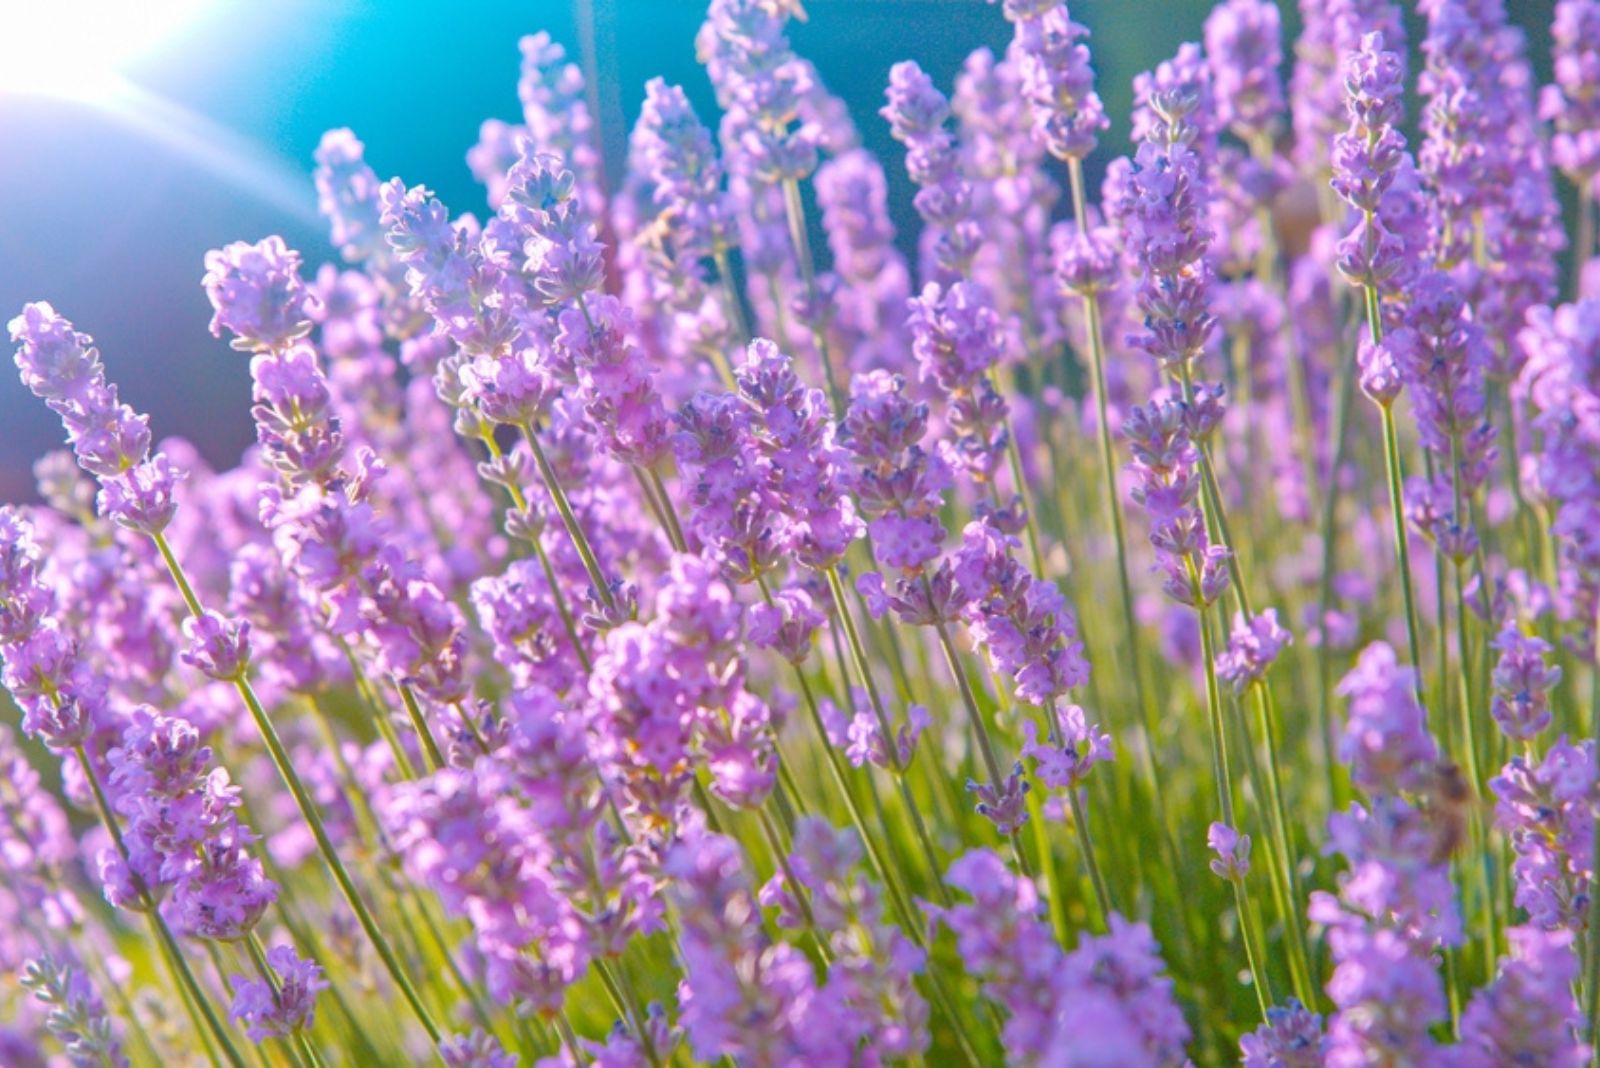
<point x="108" y="215"/>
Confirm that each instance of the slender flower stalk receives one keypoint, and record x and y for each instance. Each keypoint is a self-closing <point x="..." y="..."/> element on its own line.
<point x="1373" y="257"/>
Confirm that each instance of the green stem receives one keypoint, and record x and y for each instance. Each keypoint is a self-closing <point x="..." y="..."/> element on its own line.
<point x="1592" y="985"/>
<point x="1219" y="746"/>
<point x="1254" y="945"/>
<point x="1081" y="822"/>
<point x="671" y="512"/>
<point x="794" y="208"/>
<point x="1285" y="880"/>
<point x="430" y="748"/>
<point x="558" y="496"/>
<point x="623" y="993"/>
<point x="1330" y="512"/>
<point x="1391" y="464"/>
<point x="520" y="502"/>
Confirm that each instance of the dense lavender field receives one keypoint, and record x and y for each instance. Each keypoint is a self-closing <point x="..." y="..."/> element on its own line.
<point x="1152" y="624"/>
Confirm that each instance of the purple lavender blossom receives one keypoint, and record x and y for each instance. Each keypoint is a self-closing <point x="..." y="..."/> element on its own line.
<point x="1528" y="1014"/>
<point x="1523" y="678"/>
<point x="110" y="440"/>
<point x="1291" y="1037"/>
<point x="918" y="114"/>
<point x="1057" y="79"/>
<point x="1365" y="159"/>
<point x="258" y="294"/>
<point x="281" y="1012"/>
<point x="1254" y="644"/>
<point x="1244" y="52"/>
<point x="1064" y="763"/>
<point x="1232" y="849"/>
<point x="1545" y="807"/>
<point x="1563" y="347"/>
<point x="806" y="468"/>
<point x="1572" y="103"/>
<point x="78" y="1018"/>
<point x="899" y="487"/>
<point x="1386" y="740"/>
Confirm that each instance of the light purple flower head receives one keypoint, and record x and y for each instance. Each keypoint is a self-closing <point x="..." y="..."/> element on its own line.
<point x="1572" y="103"/>
<point x="1244" y="52"/>
<point x="218" y="646"/>
<point x="1523" y="679"/>
<point x="1528" y="1014"/>
<point x="1254" y="644"/>
<point x="1386" y="740"/>
<point x="1291" y="1037"/>
<point x="268" y="1013"/>
<point x="1057" y="79"/>
<point x="109" y="438"/>
<point x="1064" y="763"/>
<point x="257" y="294"/>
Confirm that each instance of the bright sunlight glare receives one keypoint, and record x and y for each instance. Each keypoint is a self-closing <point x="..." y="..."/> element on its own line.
<point x="77" y="48"/>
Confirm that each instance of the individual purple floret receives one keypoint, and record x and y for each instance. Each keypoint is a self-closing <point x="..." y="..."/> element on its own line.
<point x="218" y="646"/>
<point x="1003" y="803"/>
<point x="1065" y="762"/>
<point x="287" y="1006"/>
<point x="787" y="625"/>
<point x="1252" y="648"/>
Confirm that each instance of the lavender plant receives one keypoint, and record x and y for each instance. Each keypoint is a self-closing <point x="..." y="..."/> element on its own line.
<point x="658" y="626"/>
